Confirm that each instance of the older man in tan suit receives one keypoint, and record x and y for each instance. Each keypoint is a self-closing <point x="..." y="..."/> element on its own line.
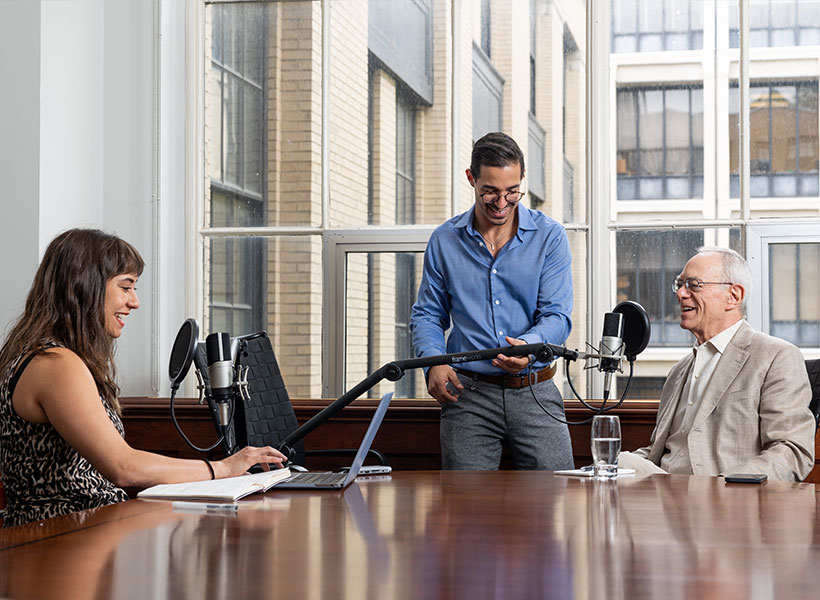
<point x="739" y="402"/>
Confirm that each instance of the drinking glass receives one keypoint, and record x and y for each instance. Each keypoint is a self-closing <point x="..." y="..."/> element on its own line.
<point x="606" y="446"/>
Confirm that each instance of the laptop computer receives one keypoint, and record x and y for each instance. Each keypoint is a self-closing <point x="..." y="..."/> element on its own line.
<point x="338" y="481"/>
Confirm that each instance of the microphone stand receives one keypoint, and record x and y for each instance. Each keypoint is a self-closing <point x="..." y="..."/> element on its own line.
<point x="393" y="371"/>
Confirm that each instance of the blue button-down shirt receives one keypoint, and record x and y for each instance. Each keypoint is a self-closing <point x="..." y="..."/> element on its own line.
<point x="525" y="292"/>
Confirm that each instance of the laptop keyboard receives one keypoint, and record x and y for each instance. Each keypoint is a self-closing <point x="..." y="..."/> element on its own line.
<point x="321" y="478"/>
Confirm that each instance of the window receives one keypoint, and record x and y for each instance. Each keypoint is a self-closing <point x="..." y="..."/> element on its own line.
<point x="236" y="105"/>
<point x="488" y="95"/>
<point x="406" y="281"/>
<point x="660" y="143"/>
<point x="484" y="38"/>
<point x="642" y="388"/>
<point x="794" y="293"/>
<point x="778" y="23"/>
<point x="405" y="161"/>
<point x="784" y="148"/>
<point x="332" y="146"/>
<point x="648" y="262"/>
<point x="652" y="25"/>
<point x="406" y="286"/>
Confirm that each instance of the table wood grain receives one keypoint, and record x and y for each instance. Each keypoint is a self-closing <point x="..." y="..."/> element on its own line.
<point x="431" y="534"/>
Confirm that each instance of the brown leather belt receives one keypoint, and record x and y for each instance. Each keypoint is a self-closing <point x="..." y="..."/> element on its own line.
<point x="514" y="381"/>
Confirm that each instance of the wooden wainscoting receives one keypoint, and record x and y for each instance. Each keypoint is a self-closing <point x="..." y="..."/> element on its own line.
<point x="408" y="435"/>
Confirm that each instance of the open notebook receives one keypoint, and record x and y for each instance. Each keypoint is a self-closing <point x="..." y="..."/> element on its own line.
<point x="226" y="489"/>
<point x="337" y="481"/>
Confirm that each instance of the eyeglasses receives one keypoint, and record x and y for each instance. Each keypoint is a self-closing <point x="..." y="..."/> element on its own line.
<point x="693" y="284"/>
<point x="511" y="197"/>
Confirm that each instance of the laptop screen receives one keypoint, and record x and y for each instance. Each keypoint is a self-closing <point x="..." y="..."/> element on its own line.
<point x="372" y="429"/>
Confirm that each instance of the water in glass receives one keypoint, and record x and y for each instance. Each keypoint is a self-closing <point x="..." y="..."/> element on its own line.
<point x="606" y="446"/>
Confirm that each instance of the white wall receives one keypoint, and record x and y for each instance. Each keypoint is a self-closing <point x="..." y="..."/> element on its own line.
<point x="19" y="152"/>
<point x="82" y="123"/>
<point x="71" y="124"/>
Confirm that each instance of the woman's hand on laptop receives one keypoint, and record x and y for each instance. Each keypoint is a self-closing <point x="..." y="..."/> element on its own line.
<point x="239" y="463"/>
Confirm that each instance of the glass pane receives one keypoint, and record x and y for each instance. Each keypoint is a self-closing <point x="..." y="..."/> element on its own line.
<point x="777" y="23"/>
<point x="579" y="335"/>
<point x="386" y="65"/>
<point x="253" y="39"/>
<point x="380" y="290"/>
<point x="807" y="115"/>
<point x="231" y="34"/>
<point x="677" y="132"/>
<point x="794" y="293"/>
<point x="235" y="289"/>
<point x="784" y="120"/>
<point x="266" y="120"/>
<point x="252" y="147"/>
<point x="572" y="165"/>
<point x="627" y="134"/>
<point x="624" y="16"/>
<point x="232" y="133"/>
<point x="783" y="137"/>
<point x="213" y="125"/>
<point x="641" y="388"/>
<point x="647" y="264"/>
<point x="669" y="138"/>
<point x="275" y="285"/>
<point x="651" y="26"/>
<point x="230" y="209"/>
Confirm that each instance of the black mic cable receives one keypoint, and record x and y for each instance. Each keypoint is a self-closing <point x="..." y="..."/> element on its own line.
<point x="182" y="433"/>
<point x="597" y="410"/>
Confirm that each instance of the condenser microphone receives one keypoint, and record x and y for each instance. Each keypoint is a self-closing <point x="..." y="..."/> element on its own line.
<point x="612" y="344"/>
<point x="220" y="372"/>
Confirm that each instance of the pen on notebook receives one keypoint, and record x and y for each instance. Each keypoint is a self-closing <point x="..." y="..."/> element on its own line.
<point x="205" y="507"/>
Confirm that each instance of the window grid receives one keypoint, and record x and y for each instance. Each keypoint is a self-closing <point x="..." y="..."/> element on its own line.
<point x="405" y="215"/>
<point x="236" y="292"/>
<point x="770" y="175"/>
<point x="648" y="263"/>
<point x="639" y="174"/>
<point x="652" y="25"/>
<point x="767" y="28"/>
<point x="485" y="39"/>
<point x="800" y="262"/>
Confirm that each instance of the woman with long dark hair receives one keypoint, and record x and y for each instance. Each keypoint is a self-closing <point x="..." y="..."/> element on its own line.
<point x="61" y="438"/>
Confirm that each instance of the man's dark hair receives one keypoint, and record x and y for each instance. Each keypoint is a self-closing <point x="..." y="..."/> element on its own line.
<point x="495" y="149"/>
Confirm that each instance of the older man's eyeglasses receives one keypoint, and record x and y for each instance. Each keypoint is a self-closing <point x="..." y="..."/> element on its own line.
<point x="693" y="284"/>
<point x="491" y="197"/>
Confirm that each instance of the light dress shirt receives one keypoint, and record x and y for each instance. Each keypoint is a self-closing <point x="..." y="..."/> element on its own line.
<point x="707" y="357"/>
<point x="524" y="292"/>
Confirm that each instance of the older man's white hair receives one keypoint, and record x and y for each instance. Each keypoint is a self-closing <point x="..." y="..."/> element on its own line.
<point x="735" y="270"/>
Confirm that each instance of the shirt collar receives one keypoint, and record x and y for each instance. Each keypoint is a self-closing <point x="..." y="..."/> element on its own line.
<point x="525" y="220"/>
<point x="721" y="340"/>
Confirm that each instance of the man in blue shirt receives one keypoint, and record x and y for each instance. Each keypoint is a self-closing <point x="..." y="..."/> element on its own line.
<point x="499" y="274"/>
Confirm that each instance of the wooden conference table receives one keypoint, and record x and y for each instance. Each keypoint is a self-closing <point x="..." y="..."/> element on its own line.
<point x="429" y="534"/>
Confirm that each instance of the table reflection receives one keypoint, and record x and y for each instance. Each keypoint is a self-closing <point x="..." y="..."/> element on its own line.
<point x="437" y="534"/>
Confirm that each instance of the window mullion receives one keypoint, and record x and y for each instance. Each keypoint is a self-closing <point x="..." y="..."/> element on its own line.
<point x="744" y="117"/>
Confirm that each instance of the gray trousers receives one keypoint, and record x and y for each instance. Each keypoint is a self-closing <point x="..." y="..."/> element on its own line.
<point x="472" y="429"/>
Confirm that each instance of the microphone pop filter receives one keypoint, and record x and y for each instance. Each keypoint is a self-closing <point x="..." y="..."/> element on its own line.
<point x="636" y="328"/>
<point x="182" y="352"/>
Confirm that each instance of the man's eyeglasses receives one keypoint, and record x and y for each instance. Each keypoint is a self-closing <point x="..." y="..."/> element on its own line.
<point x="491" y="197"/>
<point x="693" y="284"/>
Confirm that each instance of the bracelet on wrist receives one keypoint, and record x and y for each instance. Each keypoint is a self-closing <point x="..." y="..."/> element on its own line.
<point x="210" y="467"/>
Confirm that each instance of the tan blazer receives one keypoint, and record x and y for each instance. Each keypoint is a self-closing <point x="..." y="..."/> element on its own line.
<point x="754" y="414"/>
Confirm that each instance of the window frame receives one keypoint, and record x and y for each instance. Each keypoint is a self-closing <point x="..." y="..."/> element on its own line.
<point x="602" y="220"/>
<point x="759" y="237"/>
<point x="336" y="245"/>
